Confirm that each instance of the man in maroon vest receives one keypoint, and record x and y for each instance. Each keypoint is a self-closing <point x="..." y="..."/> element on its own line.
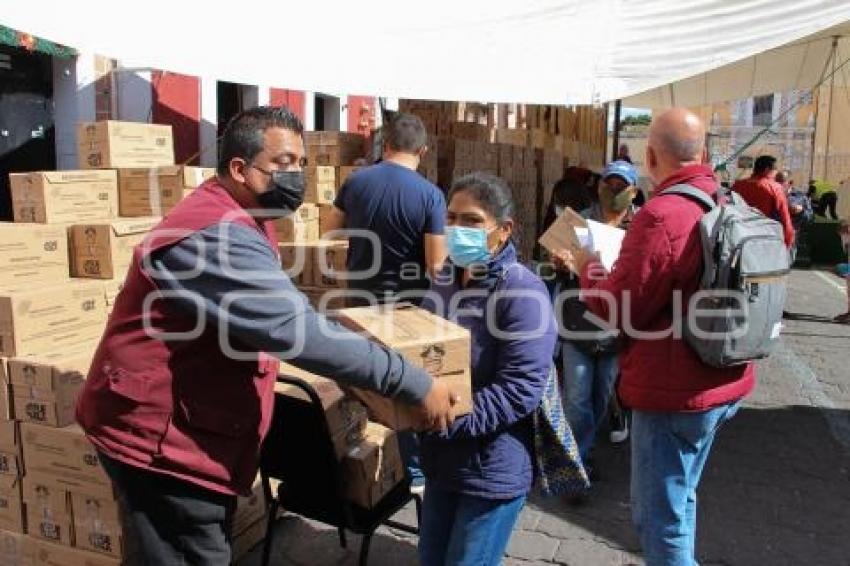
<point x="179" y="395"/>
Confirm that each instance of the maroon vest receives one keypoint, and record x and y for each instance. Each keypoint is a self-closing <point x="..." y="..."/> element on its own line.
<point x="176" y="404"/>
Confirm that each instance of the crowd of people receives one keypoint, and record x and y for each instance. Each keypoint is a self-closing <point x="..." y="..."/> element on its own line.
<point x="179" y="422"/>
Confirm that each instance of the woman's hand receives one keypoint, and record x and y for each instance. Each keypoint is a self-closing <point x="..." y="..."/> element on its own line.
<point x="574" y="260"/>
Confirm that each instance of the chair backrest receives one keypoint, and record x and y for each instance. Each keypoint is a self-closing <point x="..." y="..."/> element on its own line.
<point x="298" y="452"/>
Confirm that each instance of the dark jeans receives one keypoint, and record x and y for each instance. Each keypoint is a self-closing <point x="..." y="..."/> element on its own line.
<point x="169" y="521"/>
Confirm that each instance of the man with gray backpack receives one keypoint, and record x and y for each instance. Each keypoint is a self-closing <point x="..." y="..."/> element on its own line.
<point x="698" y="291"/>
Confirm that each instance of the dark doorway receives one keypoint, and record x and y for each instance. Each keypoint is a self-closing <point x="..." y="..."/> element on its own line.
<point x="229" y="103"/>
<point x="27" y="135"/>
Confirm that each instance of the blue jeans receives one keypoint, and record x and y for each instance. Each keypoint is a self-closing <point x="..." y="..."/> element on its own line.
<point x="588" y="385"/>
<point x="462" y="530"/>
<point x="669" y="451"/>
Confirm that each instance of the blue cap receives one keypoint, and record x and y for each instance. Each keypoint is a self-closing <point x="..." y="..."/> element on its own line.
<point x="622" y="169"/>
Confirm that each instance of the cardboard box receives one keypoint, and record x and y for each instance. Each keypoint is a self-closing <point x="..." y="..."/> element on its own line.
<point x="49" y="554"/>
<point x="154" y="191"/>
<point x="97" y="523"/>
<point x="561" y="235"/>
<point x="320" y="184"/>
<point x="329" y="264"/>
<point x="41" y="320"/>
<point x="16" y="549"/>
<point x="105" y="250"/>
<point x="301" y="226"/>
<point x="296" y="261"/>
<point x="10" y="449"/>
<point x="334" y="138"/>
<point x="45" y="388"/>
<point x="249" y="509"/>
<point x="344" y="172"/>
<point x="66" y="455"/>
<point x="245" y="541"/>
<point x="325" y="211"/>
<point x="54" y="197"/>
<point x="11" y="505"/>
<point x="346" y="417"/>
<point x="437" y="345"/>
<point x="373" y="468"/>
<point x="32" y="253"/>
<point x="47" y="509"/>
<point x="113" y="145"/>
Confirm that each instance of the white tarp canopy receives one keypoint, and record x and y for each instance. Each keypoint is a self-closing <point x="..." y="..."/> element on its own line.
<point x="799" y="65"/>
<point x="536" y="51"/>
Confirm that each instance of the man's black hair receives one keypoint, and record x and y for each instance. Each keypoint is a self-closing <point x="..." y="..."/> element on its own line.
<point x="243" y="136"/>
<point x="763" y="164"/>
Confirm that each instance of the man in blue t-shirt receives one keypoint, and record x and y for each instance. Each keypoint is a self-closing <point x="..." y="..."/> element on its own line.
<point x="401" y="208"/>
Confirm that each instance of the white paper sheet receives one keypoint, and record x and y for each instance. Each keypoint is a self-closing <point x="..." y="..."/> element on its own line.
<point x="606" y="241"/>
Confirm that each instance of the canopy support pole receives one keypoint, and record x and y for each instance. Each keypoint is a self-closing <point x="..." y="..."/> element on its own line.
<point x="615" y="139"/>
<point x="831" y="101"/>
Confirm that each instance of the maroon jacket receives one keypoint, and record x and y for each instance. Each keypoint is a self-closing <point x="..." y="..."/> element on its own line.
<point x="661" y="254"/>
<point x="179" y="407"/>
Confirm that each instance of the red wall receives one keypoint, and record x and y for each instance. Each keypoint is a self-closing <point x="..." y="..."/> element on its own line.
<point x="361" y="114"/>
<point x="177" y="101"/>
<point x="294" y="99"/>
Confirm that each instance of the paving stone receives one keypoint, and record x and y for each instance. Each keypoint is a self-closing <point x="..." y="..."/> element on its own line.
<point x="531" y="546"/>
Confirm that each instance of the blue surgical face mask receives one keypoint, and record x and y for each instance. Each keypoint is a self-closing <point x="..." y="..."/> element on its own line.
<point x="467" y="246"/>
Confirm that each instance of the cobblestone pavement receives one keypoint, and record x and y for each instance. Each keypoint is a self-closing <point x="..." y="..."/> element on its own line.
<point x="776" y="489"/>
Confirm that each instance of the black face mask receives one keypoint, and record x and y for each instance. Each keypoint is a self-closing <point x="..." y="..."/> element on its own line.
<point x="284" y="194"/>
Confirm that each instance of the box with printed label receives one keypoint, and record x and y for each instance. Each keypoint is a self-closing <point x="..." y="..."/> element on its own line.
<point x="55" y="197"/>
<point x="373" y="468"/>
<point x="325" y="220"/>
<point x="97" y="522"/>
<point x="32" y="253"/>
<point x="40" y="320"/>
<point x="11" y="505"/>
<point x="295" y="258"/>
<point x="47" y="509"/>
<point x="300" y="226"/>
<point x="10" y="449"/>
<point x="66" y="455"/>
<point x="320" y="185"/>
<point x="16" y="549"/>
<point x="105" y="250"/>
<point x="109" y="144"/>
<point x="440" y="347"/>
<point x="154" y="191"/>
<point x="344" y="172"/>
<point x="329" y="261"/>
<point x="346" y="417"/>
<point x="45" y="388"/>
<point x="51" y="554"/>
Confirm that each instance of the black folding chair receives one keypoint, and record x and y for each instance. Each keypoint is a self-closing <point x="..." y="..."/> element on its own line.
<point x="299" y="452"/>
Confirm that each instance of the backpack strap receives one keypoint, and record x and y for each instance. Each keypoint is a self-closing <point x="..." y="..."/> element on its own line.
<point x="691" y="193"/>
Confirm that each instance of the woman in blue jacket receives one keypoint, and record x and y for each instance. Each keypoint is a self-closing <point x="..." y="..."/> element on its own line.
<point x="479" y="471"/>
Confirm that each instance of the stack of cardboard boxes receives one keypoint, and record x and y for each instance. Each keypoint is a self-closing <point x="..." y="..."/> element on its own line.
<point x="61" y="265"/>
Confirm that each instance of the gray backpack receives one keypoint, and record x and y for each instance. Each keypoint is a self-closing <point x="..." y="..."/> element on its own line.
<point x="736" y="316"/>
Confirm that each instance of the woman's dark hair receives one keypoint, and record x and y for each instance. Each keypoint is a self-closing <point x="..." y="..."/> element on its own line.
<point x="243" y="136"/>
<point x="491" y="192"/>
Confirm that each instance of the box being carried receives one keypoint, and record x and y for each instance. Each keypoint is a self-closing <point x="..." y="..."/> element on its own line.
<point x="105" y="250"/>
<point x="32" y="253"/>
<point x="346" y="417"/>
<point x="54" y="197"/>
<point x="113" y="145"/>
<point x="441" y="347"/>
<point x="373" y="468"/>
<point x="41" y="320"/>
<point x="156" y="190"/>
